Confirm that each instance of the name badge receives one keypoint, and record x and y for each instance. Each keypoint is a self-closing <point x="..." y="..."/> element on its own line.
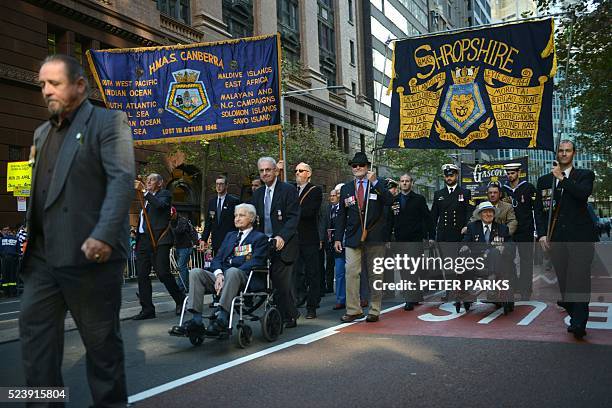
<point x="460" y="197"/>
<point x="212" y="214"/>
<point x="373" y="196"/>
<point x="440" y="198"/>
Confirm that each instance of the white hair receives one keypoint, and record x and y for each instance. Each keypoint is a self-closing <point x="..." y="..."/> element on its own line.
<point x="338" y="187"/>
<point x="266" y="159"/>
<point x="250" y="209"/>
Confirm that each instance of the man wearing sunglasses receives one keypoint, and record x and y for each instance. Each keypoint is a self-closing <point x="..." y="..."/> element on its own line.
<point x="307" y="275"/>
<point x="364" y="194"/>
<point x="521" y="194"/>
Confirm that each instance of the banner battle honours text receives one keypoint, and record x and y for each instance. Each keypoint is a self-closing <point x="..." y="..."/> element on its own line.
<point x="476" y="89"/>
<point x="185" y="93"/>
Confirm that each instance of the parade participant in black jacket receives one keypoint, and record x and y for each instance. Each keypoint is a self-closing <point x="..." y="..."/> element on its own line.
<point x="521" y="194"/>
<point x="358" y="229"/>
<point x="452" y="207"/>
<point x="278" y="212"/>
<point x="569" y="239"/>
<point x="307" y="275"/>
<point x="411" y="224"/>
<point x="220" y="214"/>
<point x="153" y="244"/>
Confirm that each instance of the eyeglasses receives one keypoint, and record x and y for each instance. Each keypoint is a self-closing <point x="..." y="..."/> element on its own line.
<point x="300" y="171"/>
<point x="358" y="165"/>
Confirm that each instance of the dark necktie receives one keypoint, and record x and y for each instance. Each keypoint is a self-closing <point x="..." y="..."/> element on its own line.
<point x="219" y="210"/>
<point x="238" y="238"/>
<point x="487" y="233"/>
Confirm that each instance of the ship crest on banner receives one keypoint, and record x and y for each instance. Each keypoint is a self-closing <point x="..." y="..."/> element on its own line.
<point x="476" y="89"/>
<point x="187" y="97"/>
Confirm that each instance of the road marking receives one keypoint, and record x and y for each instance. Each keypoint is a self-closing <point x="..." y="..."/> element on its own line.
<point x="307" y="339"/>
<point x="7" y="313"/>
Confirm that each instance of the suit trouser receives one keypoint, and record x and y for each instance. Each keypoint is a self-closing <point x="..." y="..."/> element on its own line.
<point x="330" y="262"/>
<point x="356" y="260"/>
<point x="280" y="274"/>
<point x="307" y="277"/>
<point x="160" y="261"/>
<point x="92" y="294"/>
<point x="202" y="282"/>
<point x="525" y="245"/>
<point x="572" y="263"/>
<point x="414" y="250"/>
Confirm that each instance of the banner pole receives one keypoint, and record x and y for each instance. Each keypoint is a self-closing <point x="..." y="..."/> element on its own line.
<point x="563" y="98"/>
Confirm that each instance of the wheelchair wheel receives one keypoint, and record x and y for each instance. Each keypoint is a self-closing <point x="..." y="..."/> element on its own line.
<point x="244" y="335"/>
<point x="196" y="340"/>
<point x="271" y="324"/>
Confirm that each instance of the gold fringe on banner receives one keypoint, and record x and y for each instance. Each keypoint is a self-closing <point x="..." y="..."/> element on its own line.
<point x="550" y="48"/>
<point x="390" y="88"/>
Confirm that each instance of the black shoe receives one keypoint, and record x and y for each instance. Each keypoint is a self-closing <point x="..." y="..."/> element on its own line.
<point x="579" y="333"/>
<point x="189" y="328"/>
<point x="216" y="328"/>
<point x="409" y="306"/>
<point x="144" y="316"/>
<point x="372" y="318"/>
<point x="311" y="314"/>
<point x="458" y="306"/>
<point x="292" y="322"/>
<point x="467" y="306"/>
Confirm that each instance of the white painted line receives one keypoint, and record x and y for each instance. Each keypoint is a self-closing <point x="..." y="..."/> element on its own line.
<point x="307" y="339"/>
<point x="8" y="313"/>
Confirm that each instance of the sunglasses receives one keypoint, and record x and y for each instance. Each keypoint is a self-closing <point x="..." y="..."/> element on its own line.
<point x="300" y="171"/>
<point x="358" y="165"/>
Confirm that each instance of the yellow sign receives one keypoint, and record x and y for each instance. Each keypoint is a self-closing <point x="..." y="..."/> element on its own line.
<point x="18" y="176"/>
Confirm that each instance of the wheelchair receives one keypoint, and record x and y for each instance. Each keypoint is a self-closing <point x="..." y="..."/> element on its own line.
<point x="497" y="265"/>
<point x="257" y="293"/>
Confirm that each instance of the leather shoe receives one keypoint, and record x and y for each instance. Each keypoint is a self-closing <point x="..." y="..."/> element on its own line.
<point x="347" y="318"/>
<point x="372" y="318"/>
<point x="292" y="322"/>
<point x="216" y="327"/>
<point x="311" y="314"/>
<point x="364" y="303"/>
<point x="144" y="316"/>
<point x="190" y="327"/>
<point x="409" y="306"/>
<point x="339" y="306"/>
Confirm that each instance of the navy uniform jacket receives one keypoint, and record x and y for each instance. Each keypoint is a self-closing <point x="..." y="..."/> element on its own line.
<point x="256" y="257"/>
<point x="284" y="214"/>
<point x="348" y="221"/>
<point x="310" y="207"/>
<point x="573" y="222"/>
<point x="158" y="209"/>
<point x="450" y="213"/>
<point x="475" y="233"/>
<point x="411" y="223"/>
<point x="212" y="225"/>
<point x="522" y="199"/>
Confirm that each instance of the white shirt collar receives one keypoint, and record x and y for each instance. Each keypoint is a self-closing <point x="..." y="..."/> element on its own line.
<point x="271" y="188"/>
<point x="567" y="171"/>
<point x="485" y="225"/>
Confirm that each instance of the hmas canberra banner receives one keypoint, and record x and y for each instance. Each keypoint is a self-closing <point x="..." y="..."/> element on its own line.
<point x="193" y="92"/>
<point x="486" y="88"/>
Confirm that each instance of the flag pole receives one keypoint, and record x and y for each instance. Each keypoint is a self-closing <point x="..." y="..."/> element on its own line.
<point x="563" y="106"/>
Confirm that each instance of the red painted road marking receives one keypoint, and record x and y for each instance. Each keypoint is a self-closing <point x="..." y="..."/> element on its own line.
<point x="527" y="322"/>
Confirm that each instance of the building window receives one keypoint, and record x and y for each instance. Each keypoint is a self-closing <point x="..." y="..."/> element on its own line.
<point x="362" y="143"/>
<point x="177" y="9"/>
<point x="238" y="15"/>
<point x="353" y="88"/>
<point x="289" y="26"/>
<point x="350" y="10"/>
<point x="51" y="43"/>
<point x="310" y="122"/>
<point x="78" y="51"/>
<point x="332" y="135"/>
<point x="293" y="117"/>
<point x="18" y="153"/>
<point x="346" y="140"/>
<point x="352" y="51"/>
<point x="327" y="41"/>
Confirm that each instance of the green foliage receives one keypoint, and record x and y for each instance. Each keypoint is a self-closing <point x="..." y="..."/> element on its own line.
<point x="424" y="164"/>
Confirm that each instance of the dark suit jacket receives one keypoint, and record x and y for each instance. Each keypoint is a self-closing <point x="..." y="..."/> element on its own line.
<point x="348" y="222"/>
<point x="219" y="230"/>
<point x="285" y="216"/>
<point x="573" y="224"/>
<point x="327" y="222"/>
<point x="92" y="186"/>
<point x="475" y="232"/>
<point x="411" y="223"/>
<point x="256" y="258"/>
<point x="158" y="208"/>
<point x="450" y="213"/>
<point x="310" y="207"/>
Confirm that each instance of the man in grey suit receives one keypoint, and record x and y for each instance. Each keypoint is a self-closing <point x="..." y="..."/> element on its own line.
<point x="82" y="188"/>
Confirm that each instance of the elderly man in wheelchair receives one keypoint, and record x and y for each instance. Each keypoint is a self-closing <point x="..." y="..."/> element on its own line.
<point x="490" y="240"/>
<point x="231" y="271"/>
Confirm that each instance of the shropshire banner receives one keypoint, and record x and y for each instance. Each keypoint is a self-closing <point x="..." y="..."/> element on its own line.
<point x="192" y="92"/>
<point x="485" y="88"/>
<point x="476" y="177"/>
